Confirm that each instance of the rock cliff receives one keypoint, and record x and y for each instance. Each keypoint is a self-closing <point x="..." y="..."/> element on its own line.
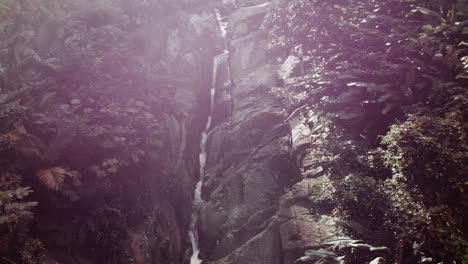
<point x="254" y="213"/>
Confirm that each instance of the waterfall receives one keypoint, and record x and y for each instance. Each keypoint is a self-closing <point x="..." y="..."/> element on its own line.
<point x="197" y="199"/>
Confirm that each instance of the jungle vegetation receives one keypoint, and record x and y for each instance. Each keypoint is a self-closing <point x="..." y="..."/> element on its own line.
<point x="384" y="83"/>
<point x="82" y="92"/>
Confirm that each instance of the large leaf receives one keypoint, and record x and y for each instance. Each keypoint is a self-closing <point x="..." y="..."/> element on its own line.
<point x="321" y="254"/>
<point x="340" y="243"/>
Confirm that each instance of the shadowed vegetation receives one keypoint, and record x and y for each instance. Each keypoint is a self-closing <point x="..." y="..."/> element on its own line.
<point x="382" y="84"/>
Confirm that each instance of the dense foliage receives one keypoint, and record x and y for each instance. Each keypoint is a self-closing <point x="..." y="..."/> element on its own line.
<point x="385" y="85"/>
<point x="369" y="59"/>
<point x="82" y="93"/>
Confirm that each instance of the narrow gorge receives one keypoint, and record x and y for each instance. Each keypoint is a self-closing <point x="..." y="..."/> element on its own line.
<point x="221" y="59"/>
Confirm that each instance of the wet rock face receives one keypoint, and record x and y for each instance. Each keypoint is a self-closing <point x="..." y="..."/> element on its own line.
<point x="256" y="207"/>
<point x="248" y="156"/>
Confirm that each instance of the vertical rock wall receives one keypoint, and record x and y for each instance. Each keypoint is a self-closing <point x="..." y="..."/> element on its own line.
<point x="256" y="208"/>
<point x="248" y="155"/>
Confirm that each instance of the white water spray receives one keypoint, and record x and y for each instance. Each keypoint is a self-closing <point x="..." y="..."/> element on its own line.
<point x="197" y="199"/>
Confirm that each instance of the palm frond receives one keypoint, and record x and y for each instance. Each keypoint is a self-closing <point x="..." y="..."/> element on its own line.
<point x="52" y="178"/>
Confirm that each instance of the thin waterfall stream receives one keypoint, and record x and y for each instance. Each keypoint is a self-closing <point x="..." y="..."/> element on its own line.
<point x="197" y="199"/>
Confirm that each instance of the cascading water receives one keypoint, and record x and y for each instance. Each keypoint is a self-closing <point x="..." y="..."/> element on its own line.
<point x="197" y="199"/>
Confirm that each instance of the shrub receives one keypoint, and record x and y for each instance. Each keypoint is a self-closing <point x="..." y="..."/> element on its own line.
<point x="430" y="154"/>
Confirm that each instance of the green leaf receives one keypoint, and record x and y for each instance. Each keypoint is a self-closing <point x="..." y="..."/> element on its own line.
<point x="428" y="12"/>
<point x="380" y="248"/>
<point x="321" y="254"/>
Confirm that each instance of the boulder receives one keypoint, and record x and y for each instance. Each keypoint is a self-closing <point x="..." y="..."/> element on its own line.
<point x="300" y="133"/>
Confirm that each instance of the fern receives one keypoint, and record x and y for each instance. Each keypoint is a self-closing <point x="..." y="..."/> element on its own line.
<point x="13" y="208"/>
